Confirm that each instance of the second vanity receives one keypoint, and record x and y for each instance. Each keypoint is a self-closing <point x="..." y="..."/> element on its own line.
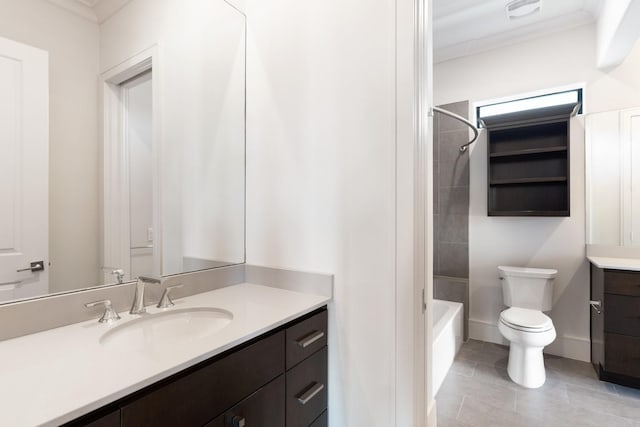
<point x="615" y="319"/>
<point x="243" y="355"/>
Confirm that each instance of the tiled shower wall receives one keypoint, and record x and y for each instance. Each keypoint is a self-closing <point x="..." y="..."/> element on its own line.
<point x="451" y="207"/>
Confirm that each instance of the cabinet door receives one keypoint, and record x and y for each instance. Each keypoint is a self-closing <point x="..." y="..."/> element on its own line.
<point x="307" y="390"/>
<point x="97" y="419"/>
<point x="630" y="132"/>
<point x="305" y="338"/>
<point x="623" y="315"/>
<point x="198" y="397"/>
<point x="111" y="420"/>
<point x="264" y="408"/>
<point x="321" y="421"/>
<point x="623" y="353"/>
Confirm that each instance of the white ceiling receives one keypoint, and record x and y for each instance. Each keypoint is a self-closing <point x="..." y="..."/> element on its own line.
<point x="94" y="10"/>
<point x="464" y="27"/>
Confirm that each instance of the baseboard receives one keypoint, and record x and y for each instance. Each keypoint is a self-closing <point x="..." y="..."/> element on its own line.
<point x="432" y="416"/>
<point x="485" y="331"/>
<point x="571" y="347"/>
<point x="565" y="346"/>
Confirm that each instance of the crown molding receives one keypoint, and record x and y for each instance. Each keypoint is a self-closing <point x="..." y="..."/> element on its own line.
<point x="96" y="11"/>
<point x="82" y="8"/>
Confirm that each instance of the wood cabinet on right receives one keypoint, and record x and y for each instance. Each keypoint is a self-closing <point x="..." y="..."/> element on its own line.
<point x="615" y="325"/>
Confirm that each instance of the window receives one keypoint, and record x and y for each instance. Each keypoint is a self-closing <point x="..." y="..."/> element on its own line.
<point x="530" y="103"/>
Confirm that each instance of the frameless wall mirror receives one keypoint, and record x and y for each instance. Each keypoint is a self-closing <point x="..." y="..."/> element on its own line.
<point x="122" y="129"/>
<point x="613" y="177"/>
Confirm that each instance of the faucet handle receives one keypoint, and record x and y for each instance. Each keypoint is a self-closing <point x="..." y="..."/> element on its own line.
<point x="165" y="301"/>
<point x="110" y="315"/>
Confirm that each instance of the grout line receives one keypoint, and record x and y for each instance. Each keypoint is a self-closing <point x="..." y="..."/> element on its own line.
<point x="460" y="407"/>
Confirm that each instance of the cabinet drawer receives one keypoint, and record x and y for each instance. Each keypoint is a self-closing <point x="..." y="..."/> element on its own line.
<point x="103" y="417"/>
<point x="264" y="408"/>
<point x="110" y="420"/>
<point x="622" y="283"/>
<point x="321" y="421"/>
<point x="622" y="314"/>
<point x="622" y="355"/>
<point x="305" y="338"/>
<point x="198" y="397"/>
<point x="307" y="390"/>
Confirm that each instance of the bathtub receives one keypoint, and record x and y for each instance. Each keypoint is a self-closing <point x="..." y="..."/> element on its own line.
<point x="447" y="339"/>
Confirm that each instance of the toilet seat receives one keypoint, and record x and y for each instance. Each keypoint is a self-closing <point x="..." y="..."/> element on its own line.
<point x="526" y="320"/>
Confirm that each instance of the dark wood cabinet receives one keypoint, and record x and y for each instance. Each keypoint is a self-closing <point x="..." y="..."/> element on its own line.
<point x="196" y="398"/>
<point x="111" y="419"/>
<point x="307" y="390"/>
<point x="528" y="162"/>
<point x="276" y="380"/>
<point x="615" y="329"/>
<point x="264" y="408"/>
<point x="321" y="421"/>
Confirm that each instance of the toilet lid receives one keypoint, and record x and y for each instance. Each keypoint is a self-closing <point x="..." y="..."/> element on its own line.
<point x="526" y="319"/>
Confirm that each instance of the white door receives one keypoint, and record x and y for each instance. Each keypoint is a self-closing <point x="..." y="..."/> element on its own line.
<point x="24" y="170"/>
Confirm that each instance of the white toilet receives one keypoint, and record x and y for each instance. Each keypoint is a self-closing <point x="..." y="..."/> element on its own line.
<point x="527" y="292"/>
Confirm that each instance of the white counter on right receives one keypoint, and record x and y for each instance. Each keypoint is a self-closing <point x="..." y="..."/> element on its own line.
<point x="629" y="264"/>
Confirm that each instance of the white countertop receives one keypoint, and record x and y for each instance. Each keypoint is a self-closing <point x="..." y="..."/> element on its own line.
<point x="630" y="264"/>
<point x="57" y="375"/>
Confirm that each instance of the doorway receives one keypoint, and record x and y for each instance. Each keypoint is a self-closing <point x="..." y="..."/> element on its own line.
<point x="130" y="186"/>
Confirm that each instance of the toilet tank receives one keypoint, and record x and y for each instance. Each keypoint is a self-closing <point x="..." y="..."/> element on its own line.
<point x="527" y="287"/>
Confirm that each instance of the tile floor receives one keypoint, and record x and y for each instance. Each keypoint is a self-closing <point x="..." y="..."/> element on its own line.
<point x="477" y="392"/>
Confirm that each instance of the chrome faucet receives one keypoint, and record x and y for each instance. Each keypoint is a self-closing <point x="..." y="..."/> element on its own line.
<point x="138" y="300"/>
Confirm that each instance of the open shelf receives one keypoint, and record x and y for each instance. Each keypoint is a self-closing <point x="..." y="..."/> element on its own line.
<point x="529" y="151"/>
<point x="528" y="180"/>
<point x="530" y="213"/>
<point x="528" y="163"/>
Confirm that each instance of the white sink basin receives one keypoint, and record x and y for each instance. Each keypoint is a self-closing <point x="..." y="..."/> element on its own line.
<point x="163" y="331"/>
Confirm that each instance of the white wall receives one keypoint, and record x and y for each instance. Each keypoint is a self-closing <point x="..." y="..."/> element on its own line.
<point x="321" y="173"/>
<point x="72" y="43"/>
<point x="555" y="60"/>
<point x="322" y="142"/>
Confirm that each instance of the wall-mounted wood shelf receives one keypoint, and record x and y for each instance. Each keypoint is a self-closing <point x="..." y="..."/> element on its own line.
<point x="528" y="162"/>
<point x="528" y="151"/>
<point x="528" y="180"/>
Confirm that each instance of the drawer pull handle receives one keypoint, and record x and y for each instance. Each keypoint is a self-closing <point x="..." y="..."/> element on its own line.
<point x="234" y="421"/>
<point x="310" y="339"/>
<point x="311" y="393"/>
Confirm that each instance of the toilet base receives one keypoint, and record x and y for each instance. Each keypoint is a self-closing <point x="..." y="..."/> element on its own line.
<point x="526" y="365"/>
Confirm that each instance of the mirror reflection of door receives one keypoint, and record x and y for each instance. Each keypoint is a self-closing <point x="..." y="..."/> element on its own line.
<point x="138" y="131"/>
<point x="130" y="246"/>
<point x="24" y="169"/>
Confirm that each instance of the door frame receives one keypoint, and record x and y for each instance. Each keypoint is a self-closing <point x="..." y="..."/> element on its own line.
<point x="414" y="402"/>
<point x="114" y="186"/>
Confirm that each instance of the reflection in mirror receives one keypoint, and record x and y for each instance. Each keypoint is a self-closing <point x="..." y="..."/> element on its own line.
<point x="122" y="128"/>
<point x="613" y="183"/>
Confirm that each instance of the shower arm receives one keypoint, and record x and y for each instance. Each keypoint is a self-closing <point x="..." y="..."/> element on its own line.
<point x="475" y="130"/>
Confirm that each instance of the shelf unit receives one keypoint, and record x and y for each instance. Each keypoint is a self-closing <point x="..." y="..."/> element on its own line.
<point x="528" y="162"/>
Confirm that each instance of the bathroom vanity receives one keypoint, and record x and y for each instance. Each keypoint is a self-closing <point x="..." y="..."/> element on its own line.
<point x="274" y="380"/>
<point x="267" y="366"/>
<point x="615" y="320"/>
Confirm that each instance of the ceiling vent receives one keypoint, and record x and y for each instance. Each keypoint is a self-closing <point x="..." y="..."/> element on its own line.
<point x="517" y="9"/>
